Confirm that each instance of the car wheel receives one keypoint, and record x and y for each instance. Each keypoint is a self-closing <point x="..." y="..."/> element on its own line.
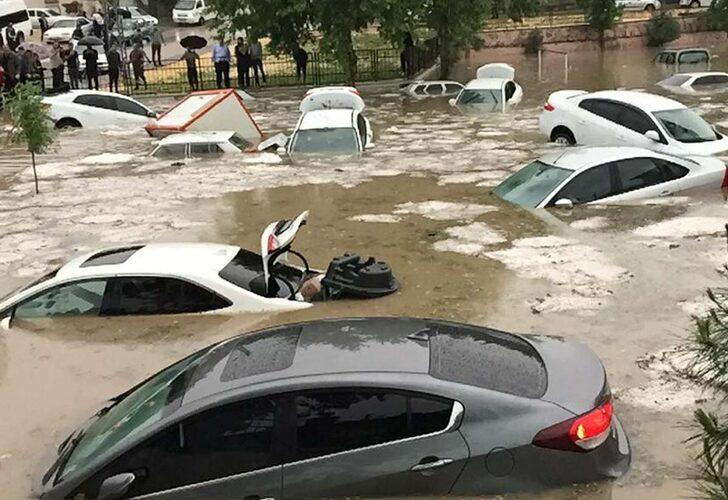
<point x="563" y="137"/>
<point x="202" y="21"/>
<point x="68" y="123"/>
<point x="694" y="4"/>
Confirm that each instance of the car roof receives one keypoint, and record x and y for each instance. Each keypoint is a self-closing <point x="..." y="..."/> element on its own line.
<point x="699" y="74"/>
<point x="486" y="83"/>
<point x="327" y="118"/>
<point x="642" y="100"/>
<point x="196" y="137"/>
<point x="180" y="259"/>
<point x="324" y="347"/>
<point x="72" y="94"/>
<point x="680" y="49"/>
<point x="578" y="158"/>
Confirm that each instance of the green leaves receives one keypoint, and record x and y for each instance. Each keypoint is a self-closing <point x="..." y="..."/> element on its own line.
<point x="601" y="15"/>
<point x="717" y="15"/>
<point x="31" y="122"/>
<point x="661" y="29"/>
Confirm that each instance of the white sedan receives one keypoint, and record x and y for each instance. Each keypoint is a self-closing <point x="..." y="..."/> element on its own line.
<point x="646" y="5"/>
<point x="201" y="145"/>
<point x="696" y="83"/>
<point x="620" y="117"/>
<point x="606" y="175"/>
<point x="63" y="28"/>
<point x="493" y="89"/>
<point x="97" y="110"/>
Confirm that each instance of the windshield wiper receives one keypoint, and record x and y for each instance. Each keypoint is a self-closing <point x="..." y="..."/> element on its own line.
<point x="65" y="455"/>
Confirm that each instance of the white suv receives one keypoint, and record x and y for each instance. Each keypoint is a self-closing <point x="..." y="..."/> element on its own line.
<point x="190" y="12"/>
<point x="648" y="5"/>
<point x="693" y="4"/>
<point x="621" y="117"/>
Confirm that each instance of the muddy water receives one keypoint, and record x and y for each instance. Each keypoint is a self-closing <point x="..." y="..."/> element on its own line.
<point x="622" y="279"/>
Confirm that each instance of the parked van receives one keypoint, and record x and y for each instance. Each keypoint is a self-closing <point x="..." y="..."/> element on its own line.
<point x="190" y="12"/>
<point x="15" y="12"/>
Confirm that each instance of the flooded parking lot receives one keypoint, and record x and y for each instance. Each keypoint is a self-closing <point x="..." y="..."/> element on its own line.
<point x="624" y="280"/>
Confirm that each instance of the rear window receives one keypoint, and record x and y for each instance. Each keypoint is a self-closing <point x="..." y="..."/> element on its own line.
<point x="676" y="80"/>
<point x="486" y="358"/>
<point x="246" y="271"/>
<point x="111" y="257"/>
<point x="262" y="353"/>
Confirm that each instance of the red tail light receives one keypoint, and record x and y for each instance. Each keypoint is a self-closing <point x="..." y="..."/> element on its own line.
<point x="548" y="106"/>
<point x="582" y="433"/>
<point x="271" y="243"/>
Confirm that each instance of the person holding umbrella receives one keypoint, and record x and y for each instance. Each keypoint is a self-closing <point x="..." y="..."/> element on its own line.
<point x="137" y="58"/>
<point x="114" y="59"/>
<point x="57" y="66"/>
<point x="221" y="58"/>
<point x="92" y="67"/>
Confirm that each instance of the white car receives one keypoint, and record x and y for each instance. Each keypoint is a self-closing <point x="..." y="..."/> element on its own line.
<point x="201" y="145"/>
<point x="606" y="175"/>
<point x="190" y="12"/>
<point x="63" y="28"/>
<point x="694" y="4"/>
<point x="696" y="83"/>
<point x="648" y="5"/>
<point x="331" y="122"/>
<point x="48" y="14"/>
<point x="622" y="117"/>
<point x="493" y="89"/>
<point x="694" y="55"/>
<point x="138" y="13"/>
<point x="96" y="110"/>
<point x="422" y="89"/>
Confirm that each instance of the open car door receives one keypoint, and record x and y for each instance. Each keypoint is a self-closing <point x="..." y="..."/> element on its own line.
<point x="276" y="240"/>
<point x="496" y="70"/>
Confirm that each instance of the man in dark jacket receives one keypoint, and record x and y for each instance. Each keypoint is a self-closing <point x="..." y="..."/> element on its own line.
<point x="114" y="59"/>
<point x="92" y="67"/>
<point x="301" y="57"/>
<point x="11" y="37"/>
<point x="242" y="56"/>
<point x="74" y="75"/>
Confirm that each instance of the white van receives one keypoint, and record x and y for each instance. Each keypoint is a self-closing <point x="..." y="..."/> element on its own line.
<point x="190" y="12"/>
<point x="15" y="12"/>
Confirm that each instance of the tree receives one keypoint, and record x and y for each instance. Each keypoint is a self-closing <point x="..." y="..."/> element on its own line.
<point x="661" y="29"/>
<point x="709" y="367"/>
<point x="601" y="15"/>
<point x="717" y="15"/>
<point x="31" y="122"/>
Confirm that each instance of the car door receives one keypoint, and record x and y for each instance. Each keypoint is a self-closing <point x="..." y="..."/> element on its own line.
<point x="230" y="451"/>
<point x="372" y="442"/>
<point x="634" y="123"/>
<point x="77" y="298"/>
<point x="96" y="110"/>
<point x="595" y="122"/>
<point x="639" y="178"/>
<point x="592" y="185"/>
<point x="130" y="111"/>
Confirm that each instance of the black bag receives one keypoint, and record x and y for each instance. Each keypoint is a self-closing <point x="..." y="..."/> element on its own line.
<point x="348" y="276"/>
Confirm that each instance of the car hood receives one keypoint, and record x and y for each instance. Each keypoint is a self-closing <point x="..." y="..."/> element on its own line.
<point x="705" y="148"/>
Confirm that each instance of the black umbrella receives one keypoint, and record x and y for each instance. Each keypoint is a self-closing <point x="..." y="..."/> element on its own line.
<point x="193" y="42"/>
<point x="90" y="40"/>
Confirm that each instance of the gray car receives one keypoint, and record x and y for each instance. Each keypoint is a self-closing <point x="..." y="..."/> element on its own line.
<point x="353" y="407"/>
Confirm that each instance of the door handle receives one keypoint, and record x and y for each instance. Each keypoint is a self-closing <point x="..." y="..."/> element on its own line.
<point x="432" y="465"/>
<point x="666" y="193"/>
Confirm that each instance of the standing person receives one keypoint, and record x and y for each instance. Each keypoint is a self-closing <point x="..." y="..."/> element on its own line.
<point x="242" y="57"/>
<point x="91" y="57"/>
<point x="57" y="66"/>
<point x="77" y="32"/>
<point x="23" y="65"/>
<point x="157" y="41"/>
<point x="11" y="37"/>
<point x="137" y="58"/>
<point x="301" y="57"/>
<point x="137" y="38"/>
<point x="191" y="57"/>
<point x="43" y="22"/>
<point x="74" y="75"/>
<point x="256" y="56"/>
<point x="35" y="70"/>
<point x="114" y="59"/>
<point x="221" y="58"/>
<point x="10" y="65"/>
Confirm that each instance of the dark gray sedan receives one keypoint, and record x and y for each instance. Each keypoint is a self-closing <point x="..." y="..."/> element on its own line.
<point x="353" y="407"/>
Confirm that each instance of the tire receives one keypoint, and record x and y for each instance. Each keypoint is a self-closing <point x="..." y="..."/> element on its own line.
<point x="201" y="22"/>
<point x="563" y="136"/>
<point x="65" y="123"/>
<point x="694" y="4"/>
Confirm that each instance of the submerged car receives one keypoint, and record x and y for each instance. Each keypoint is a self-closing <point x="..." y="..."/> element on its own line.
<point x="96" y="110"/>
<point x="362" y="407"/>
<point x="696" y="83"/>
<point x="422" y="89"/>
<point x="606" y="175"/>
<point x="179" y="278"/>
<point x="693" y="55"/>
<point x="201" y="145"/>
<point x="628" y="118"/>
<point x="493" y="89"/>
<point x="331" y="122"/>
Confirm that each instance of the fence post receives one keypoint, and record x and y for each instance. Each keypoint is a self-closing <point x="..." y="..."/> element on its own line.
<point x="375" y="64"/>
<point x="566" y="68"/>
<point x="540" y="58"/>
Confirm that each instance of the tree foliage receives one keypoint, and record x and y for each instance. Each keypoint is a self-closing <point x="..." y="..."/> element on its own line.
<point x="717" y="15"/>
<point x="601" y="15"/>
<point x="709" y="366"/>
<point x="32" y="124"/>
<point x="661" y="29"/>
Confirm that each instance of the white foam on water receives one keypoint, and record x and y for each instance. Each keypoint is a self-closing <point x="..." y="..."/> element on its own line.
<point x="473" y="177"/>
<point x="683" y="227"/>
<point x="590" y="223"/>
<point x="561" y="303"/>
<point x="262" y="158"/>
<point x="107" y="159"/>
<point x="667" y="201"/>
<point x="444" y="210"/>
<point x="381" y="218"/>
<point x="470" y="239"/>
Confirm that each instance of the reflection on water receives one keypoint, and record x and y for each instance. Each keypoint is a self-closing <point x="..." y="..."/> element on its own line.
<point x="420" y="201"/>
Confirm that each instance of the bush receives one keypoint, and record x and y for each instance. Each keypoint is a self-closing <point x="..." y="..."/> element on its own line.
<point x="717" y="15"/>
<point x="534" y="40"/>
<point x="661" y="29"/>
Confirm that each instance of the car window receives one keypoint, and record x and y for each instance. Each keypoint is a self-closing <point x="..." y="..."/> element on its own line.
<point x="594" y="184"/>
<point x="634" y="119"/>
<point x="207" y="150"/>
<point x="638" y="173"/>
<point x="451" y="88"/>
<point x="693" y="57"/>
<point x="333" y="421"/>
<point x="154" y="295"/>
<point x="670" y="58"/>
<point x="434" y="89"/>
<point x="96" y="101"/>
<point x="711" y="80"/>
<point x="245" y="270"/>
<point x="676" y="80"/>
<point x="605" y="109"/>
<point x="419" y="89"/>
<point x="127" y="106"/>
<point x="326" y="140"/>
<point x="510" y="89"/>
<point x="239" y="142"/>
<point x="532" y="184"/>
<point x="72" y="299"/>
<point x="671" y="171"/>
<point x="170" y="151"/>
<point x="362" y="125"/>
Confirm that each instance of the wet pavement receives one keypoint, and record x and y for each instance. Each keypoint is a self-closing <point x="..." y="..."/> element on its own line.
<point x="624" y="280"/>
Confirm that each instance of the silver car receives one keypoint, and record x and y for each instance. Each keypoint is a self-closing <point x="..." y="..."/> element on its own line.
<point x="353" y="407"/>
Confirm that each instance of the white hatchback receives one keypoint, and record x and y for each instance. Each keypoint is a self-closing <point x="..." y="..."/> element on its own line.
<point x="628" y="118"/>
<point x="97" y="110"/>
<point x="493" y="89"/>
<point x="606" y="175"/>
<point x="201" y="145"/>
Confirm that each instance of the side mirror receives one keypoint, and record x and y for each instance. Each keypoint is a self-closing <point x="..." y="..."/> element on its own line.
<point x="564" y="203"/>
<point x="115" y="487"/>
<point x="452" y="101"/>
<point x="151" y="114"/>
<point x="653" y="135"/>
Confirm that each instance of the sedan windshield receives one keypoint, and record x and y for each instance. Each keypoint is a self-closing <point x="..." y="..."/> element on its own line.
<point x="325" y="140"/>
<point x="185" y="5"/>
<point x="685" y="125"/>
<point x="65" y="23"/>
<point x="480" y="96"/>
<point x="532" y="184"/>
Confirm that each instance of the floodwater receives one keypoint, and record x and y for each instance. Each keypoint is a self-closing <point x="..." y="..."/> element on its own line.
<point x="624" y="280"/>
